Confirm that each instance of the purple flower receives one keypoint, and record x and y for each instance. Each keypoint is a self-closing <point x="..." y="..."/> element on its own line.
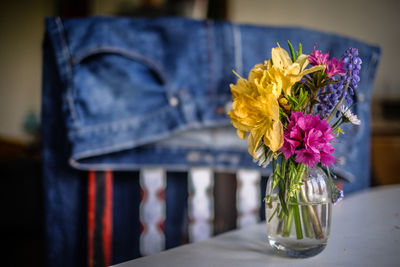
<point x="308" y="137"/>
<point x="352" y="67"/>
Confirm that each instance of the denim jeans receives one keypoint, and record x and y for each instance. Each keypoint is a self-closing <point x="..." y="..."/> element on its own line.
<point x="121" y="94"/>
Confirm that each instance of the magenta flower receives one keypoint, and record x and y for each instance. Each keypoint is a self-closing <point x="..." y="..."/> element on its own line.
<point x="318" y="58"/>
<point x="308" y="138"/>
<point x="333" y="65"/>
<point x="307" y="157"/>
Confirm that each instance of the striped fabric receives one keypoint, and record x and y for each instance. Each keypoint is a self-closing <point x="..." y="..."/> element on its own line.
<point x="152" y="211"/>
<point x="201" y="206"/>
<point x="200" y="217"/>
<point x="247" y="197"/>
<point x="100" y="190"/>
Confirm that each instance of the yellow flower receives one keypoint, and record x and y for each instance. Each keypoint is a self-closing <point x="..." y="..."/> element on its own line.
<point x="255" y="100"/>
<point x="283" y="73"/>
<point x="257" y="115"/>
<point x="285" y="103"/>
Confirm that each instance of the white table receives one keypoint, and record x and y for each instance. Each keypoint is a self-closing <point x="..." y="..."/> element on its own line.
<point x="365" y="232"/>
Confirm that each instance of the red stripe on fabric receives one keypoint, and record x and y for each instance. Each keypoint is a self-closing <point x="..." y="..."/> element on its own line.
<point x="161" y="194"/>
<point x="107" y="218"/>
<point x="91" y="216"/>
<point x="161" y="226"/>
<point x="142" y="228"/>
<point x="142" y="194"/>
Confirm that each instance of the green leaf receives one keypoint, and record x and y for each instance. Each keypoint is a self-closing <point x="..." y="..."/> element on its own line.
<point x="319" y="77"/>
<point x="291" y="51"/>
<point x="300" y="50"/>
<point x="315" y="101"/>
<point x="293" y="99"/>
<point x="303" y="98"/>
<point x="310" y="85"/>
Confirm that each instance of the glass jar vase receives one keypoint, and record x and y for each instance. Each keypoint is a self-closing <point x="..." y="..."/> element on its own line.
<point x="302" y="231"/>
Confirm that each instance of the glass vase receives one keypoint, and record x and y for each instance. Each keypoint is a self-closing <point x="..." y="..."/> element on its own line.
<point x="304" y="230"/>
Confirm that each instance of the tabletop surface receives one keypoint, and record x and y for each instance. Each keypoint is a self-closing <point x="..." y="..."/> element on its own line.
<point x="365" y="231"/>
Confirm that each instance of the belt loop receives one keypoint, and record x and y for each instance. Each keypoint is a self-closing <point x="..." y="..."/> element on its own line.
<point x="237" y="41"/>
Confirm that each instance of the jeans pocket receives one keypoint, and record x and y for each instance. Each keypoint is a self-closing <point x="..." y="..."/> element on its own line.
<point x="111" y="84"/>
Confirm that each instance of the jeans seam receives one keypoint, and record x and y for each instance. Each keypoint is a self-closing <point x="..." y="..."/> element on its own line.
<point x="237" y="41"/>
<point x="209" y="40"/>
<point x="123" y="52"/>
<point x="67" y="56"/>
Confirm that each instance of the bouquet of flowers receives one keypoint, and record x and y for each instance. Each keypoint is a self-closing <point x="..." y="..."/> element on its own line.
<point x="290" y="114"/>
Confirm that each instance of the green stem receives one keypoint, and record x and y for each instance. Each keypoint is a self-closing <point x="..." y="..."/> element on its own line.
<point x="308" y="228"/>
<point x="288" y="223"/>
<point x="275" y="211"/>
<point x="281" y="214"/>
<point x="337" y="124"/>
<point x="297" y="221"/>
<point x="316" y="222"/>
<point x="283" y="167"/>
<point x="280" y="226"/>
<point x="283" y="186"/>
<point x="305" y="214"/>
<point x="306" y="222"/>
<point x="313" y="216"/>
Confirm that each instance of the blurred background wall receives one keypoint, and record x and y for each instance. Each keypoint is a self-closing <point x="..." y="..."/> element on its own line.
<point x="21" y="34"/>
<point x="371" y="21"/>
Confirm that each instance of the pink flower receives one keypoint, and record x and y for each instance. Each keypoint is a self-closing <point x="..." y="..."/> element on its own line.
<point x="326" y="155"/>
<point x="289" y="145"/>
<point x="333" y="65"/>
<point x="308" y="137"/>
<point x="307" y="157"/>
<point x="318" y="58"/>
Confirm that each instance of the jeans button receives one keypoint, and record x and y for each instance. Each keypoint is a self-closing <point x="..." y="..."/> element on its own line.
<point x="174" y="101"/>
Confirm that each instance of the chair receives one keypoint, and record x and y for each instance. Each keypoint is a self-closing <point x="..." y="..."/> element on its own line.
<point x="136" y="142"/>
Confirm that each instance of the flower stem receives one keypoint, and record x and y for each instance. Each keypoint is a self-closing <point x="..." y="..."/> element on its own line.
<point x="306" y="222"/>
<point x="313" y="216"/>
<point x="288" y="221"/>
<point x="297" y="221"/>
<point x="275" y="211"/>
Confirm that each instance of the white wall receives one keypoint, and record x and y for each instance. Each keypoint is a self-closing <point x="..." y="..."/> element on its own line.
<point x="21" y="34"/>
<point x="372" y="21"/>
